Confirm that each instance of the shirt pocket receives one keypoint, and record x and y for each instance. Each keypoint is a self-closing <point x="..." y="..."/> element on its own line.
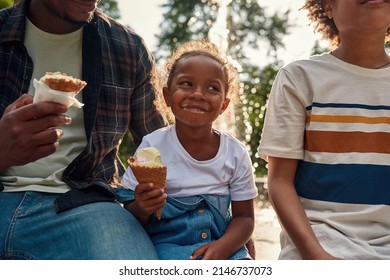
<point x="113" y="115"/>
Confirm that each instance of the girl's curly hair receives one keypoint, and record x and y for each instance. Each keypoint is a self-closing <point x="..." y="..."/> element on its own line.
<point x="323" y="24"/>
<point x="194" y="48"/>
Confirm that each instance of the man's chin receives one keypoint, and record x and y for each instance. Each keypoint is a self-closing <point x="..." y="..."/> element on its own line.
<point x="79" y="22"/>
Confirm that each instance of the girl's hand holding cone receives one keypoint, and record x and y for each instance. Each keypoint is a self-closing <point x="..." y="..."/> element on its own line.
<point x="150" y="198"/>
<point x="147" y="167"/>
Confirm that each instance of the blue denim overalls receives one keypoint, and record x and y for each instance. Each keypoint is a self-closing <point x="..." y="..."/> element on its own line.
<point x="188" y="223"/>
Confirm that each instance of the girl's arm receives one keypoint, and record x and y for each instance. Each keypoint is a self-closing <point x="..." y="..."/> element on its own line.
<point x="236" y="235"/>
<point x="283" y="196"/>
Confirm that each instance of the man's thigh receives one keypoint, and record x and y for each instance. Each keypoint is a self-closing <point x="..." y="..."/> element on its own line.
<point x="102" y="230"/>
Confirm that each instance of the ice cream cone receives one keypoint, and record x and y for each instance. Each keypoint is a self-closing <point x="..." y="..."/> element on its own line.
<point x="147" y="174"/>
<point x="58" y="87"/>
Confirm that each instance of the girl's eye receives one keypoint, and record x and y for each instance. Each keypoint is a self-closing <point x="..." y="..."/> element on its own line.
<point x="185" y="83"/>
<point x="214" y="88"/>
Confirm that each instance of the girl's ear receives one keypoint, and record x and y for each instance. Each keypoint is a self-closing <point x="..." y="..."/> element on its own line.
<point x="225" y="104"/>
<point x="166" y="96"/>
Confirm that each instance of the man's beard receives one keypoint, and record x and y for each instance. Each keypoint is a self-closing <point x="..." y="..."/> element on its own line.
<point x="64" y="17"/>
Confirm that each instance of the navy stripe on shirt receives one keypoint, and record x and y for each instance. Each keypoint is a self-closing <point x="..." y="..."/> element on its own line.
<point x="326" y="182"/>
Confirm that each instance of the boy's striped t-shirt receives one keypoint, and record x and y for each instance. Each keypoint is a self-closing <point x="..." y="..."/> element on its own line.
<point x="334" y="118"/>
<point x="347" y="153"/>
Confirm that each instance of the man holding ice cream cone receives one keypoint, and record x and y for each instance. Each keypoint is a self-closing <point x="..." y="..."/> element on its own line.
<point x="58" y="164"/>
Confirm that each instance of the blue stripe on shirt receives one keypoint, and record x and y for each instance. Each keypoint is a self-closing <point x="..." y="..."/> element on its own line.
<point x="326" y="182"/>
<point x="346" y="105"/>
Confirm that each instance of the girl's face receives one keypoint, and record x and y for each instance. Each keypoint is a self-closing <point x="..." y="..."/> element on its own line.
<point x="360" y="17"/>
<point x="197" y="92"/>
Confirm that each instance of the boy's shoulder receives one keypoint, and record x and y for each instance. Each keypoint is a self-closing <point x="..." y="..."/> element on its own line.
<point x="309" y="61"/>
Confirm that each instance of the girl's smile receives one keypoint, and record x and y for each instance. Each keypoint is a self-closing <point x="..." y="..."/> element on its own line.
<point x="195" y="108"/>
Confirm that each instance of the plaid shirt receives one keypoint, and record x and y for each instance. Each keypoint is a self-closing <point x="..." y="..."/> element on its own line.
<point x="118" y="96"/>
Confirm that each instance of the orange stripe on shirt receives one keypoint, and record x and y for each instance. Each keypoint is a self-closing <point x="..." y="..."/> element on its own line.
<point x="347" y="142"/>
<point x="348" y="119"/>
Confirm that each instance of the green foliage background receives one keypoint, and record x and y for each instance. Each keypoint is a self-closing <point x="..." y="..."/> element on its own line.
<point x="5" y="3"/>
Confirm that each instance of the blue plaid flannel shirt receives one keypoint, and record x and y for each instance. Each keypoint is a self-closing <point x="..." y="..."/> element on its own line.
<point x="118" y="97"/>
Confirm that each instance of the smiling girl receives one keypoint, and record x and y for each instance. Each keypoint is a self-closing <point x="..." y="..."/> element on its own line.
<point x="209" y="171"/>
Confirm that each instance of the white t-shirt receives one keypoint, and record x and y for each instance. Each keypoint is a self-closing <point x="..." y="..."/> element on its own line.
<point x="50" y="53"/>
<point x="229" y="172"/>
<point x="334" y="117"/>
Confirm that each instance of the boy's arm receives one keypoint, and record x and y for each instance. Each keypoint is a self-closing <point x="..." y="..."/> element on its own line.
<point x="250" y="245"/>
<point x="283" y="196"/>
<point x="237" y="234"/>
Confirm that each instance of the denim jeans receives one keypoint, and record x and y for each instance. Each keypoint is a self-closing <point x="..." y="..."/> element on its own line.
<point x="30" y="228"/>
<point x="188" y="223"/>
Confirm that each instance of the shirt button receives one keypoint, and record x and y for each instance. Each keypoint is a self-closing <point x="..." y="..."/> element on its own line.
<point x="200" y="211"/>
<point x="204" y="235"/>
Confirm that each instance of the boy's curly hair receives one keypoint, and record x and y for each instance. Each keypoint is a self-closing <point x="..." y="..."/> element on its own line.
<point x="324" y="25"/>
<point x="193" y="48"/>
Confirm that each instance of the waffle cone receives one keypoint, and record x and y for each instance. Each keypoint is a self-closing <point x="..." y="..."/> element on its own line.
<point x="145" y="174"/>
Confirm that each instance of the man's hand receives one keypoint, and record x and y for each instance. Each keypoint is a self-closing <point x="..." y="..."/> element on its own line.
<point x="29" y="131"/>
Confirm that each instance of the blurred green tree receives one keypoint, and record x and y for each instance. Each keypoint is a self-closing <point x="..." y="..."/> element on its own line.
<point x="110" y="8"/>
<point x="6" y="3"/>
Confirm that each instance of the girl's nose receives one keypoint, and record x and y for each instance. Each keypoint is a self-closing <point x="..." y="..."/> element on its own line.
<point x="197" y="93"/>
